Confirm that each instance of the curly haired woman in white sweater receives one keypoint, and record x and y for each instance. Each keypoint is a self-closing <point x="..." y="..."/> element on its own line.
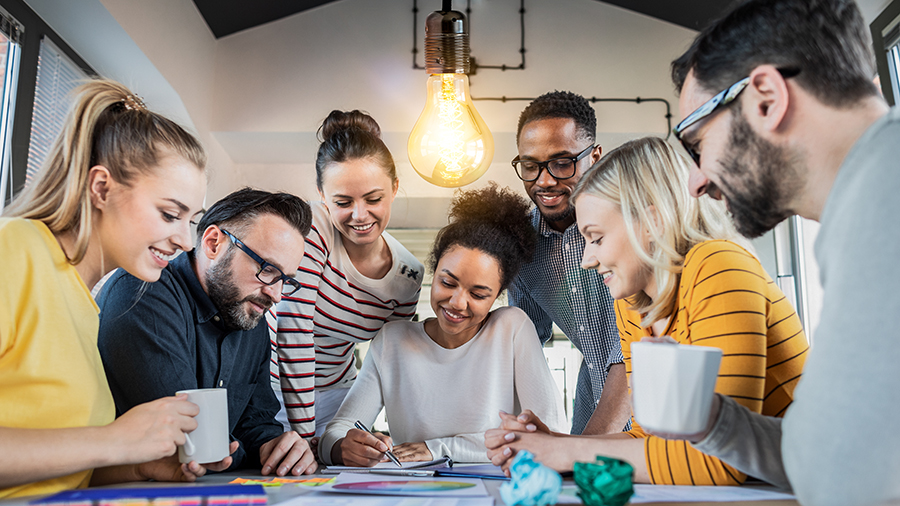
<point x="443" y="381"/>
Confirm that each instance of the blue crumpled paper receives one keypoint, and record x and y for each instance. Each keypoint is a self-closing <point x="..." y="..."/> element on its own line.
<point x="532" y="483"/>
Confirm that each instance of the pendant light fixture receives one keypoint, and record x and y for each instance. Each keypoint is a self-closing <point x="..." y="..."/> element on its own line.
<point x="450" y="145"/>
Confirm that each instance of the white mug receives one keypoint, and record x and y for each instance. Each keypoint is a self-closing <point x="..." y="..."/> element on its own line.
<point x="209" y="442"/>
<point x="673" y="385"/>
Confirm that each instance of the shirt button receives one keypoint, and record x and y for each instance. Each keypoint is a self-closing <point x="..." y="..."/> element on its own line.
<point x="216" y="318"/>
<point x="574" y="289"/>
<point x="590" y="365"/>
<point x="221" y="383"/>
<point x="581" y="328"/>
<point x="567" y="246"/>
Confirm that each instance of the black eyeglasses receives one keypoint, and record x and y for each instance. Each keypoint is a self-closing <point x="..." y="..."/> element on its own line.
<point x="560" y="168"/>
<point x="267" y="274"/>
<point x="714" y="104"/>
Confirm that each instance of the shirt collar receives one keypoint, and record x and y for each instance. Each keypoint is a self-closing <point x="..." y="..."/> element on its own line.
<point x="183" y="268"/>
<point x="543" y="228"/>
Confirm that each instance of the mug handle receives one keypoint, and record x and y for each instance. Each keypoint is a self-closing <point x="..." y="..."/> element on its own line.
<point x="189" y="447"/>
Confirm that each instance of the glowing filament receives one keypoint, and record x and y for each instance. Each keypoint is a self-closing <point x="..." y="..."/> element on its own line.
<point x="451" y="143"/>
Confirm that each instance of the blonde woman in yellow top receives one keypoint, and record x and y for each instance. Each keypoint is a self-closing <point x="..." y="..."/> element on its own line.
<point x="119" y="189"/>
<point x="676" y="268"/>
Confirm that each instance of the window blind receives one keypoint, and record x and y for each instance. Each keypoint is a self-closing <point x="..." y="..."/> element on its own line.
<point x="57" y="76"/>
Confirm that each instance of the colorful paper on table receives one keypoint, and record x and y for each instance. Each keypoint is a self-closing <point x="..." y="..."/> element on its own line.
<point x="355" y="500"/>
<point x="441" y="463"/>
<point x="349" y="483"/>
<point x="161" y="496"/>
<point x="277" y="482"/>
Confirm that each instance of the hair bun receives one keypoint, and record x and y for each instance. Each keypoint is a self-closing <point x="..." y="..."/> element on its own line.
<point x="341" y="121"/>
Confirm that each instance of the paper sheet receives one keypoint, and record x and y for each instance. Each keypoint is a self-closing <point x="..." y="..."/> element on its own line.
<point x="355" y="500"/>
<point x="366" y="484"/>
<point x="674" y="493"/>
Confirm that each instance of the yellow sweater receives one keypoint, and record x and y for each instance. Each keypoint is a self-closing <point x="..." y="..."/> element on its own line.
<point x="725" y="300"/>
<point x="50" y="370"/>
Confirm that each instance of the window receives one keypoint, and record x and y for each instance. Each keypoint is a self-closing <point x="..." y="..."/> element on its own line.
<point x="10" y="54"/>
<point x="57" y="76"/>
<point x="29" y="46"/>
<point x="886" y="41"/>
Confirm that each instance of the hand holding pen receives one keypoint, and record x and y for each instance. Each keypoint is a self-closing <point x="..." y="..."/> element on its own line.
<point x="362" y="448"/>
<point x="388" y="452"/>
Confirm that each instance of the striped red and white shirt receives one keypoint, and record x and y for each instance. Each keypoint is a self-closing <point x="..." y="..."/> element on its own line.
<point x="316" y="329"/>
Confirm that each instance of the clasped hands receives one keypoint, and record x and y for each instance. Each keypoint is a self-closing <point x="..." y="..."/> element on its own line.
<point x="524" y="432"/>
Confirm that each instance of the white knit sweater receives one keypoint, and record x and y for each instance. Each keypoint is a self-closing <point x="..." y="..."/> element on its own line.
<point x="448" y="398"/>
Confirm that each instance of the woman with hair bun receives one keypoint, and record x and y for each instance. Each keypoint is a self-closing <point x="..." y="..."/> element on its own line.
<point x="443" y="381"/>
<point x="354" y="275"/>
<point x="120" y="187"/>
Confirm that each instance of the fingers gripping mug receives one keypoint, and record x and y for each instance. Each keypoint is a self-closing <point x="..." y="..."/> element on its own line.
<point x="209" y="441"/>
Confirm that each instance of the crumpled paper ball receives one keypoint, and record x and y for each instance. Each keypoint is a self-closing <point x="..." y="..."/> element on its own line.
<point x="532" y="483"/>
<point x="605" y="482"/>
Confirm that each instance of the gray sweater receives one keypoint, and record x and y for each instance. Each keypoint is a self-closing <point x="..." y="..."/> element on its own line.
<point x="839" y="443"/>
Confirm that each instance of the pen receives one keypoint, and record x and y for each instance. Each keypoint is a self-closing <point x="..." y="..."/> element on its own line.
<point x="389" y="453"/>
<point x="402" y="472"/>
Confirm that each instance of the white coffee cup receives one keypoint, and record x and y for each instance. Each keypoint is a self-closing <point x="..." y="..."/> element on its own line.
<point x="209" y="441"/>
<point x="673" y="385"/>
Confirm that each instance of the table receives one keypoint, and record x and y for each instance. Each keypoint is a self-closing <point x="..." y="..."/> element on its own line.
<point x="280" y="494"/>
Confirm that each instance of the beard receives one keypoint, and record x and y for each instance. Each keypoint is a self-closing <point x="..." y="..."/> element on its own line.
<point x="226" y="296"/>
<point x="557" y="216"/>
<point x="758" y="180"/>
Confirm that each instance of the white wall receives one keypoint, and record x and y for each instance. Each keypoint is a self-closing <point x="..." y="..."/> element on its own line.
<point x="275" y="83"/>
<point x="163" y="50"/>
<point x="178" y="42"/>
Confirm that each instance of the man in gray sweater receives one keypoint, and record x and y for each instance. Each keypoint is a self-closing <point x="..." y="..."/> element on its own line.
<point x="781" y="118"/>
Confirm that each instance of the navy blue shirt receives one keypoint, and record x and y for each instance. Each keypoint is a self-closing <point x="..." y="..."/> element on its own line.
<point x="158" y="338"/>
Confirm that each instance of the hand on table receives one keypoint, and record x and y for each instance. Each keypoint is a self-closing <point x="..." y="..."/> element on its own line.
<point x="547" y="449"/>
<point x="363" y="449"/>
<point x="512" y="429"/>
<point x="152" y="431"/>
<point x="287" y="454"/>
<point x="170" y="469"/>
<point x="412" y="452"/>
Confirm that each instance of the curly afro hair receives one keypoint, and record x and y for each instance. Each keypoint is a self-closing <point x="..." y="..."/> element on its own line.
<point x="561" y="104"/>
<point x="493" y="220"/>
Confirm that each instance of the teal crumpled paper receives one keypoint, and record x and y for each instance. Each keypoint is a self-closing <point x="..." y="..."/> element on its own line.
<point x="532" y="483"/>
<point x="606" y="482"/>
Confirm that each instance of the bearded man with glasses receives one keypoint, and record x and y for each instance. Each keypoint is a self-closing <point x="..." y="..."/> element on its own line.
<point x="555" y="140"/>
<point x="782" y="118"/>
<point x="201" y="325"/>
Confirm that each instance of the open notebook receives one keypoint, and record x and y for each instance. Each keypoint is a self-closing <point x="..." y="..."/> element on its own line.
<point x="441" y="463"/>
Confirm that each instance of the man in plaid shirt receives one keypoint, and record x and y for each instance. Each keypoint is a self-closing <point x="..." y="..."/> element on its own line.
<point x="555" y="140"/>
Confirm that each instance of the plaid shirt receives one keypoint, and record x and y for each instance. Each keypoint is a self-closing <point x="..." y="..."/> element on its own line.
<point x="554" y="288"/>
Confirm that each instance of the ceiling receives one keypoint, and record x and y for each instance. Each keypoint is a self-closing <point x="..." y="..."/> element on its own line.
<point x="225" y="17"/>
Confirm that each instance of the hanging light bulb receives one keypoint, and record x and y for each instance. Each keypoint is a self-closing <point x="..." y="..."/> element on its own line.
<point x="450" y="145"/>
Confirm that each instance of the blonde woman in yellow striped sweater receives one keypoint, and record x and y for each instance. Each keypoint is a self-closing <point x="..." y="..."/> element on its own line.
<point x="677" y="268"/>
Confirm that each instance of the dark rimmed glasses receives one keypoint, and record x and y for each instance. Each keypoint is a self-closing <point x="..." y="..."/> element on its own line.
<point x="267" y="274"/>
<point x="560" y="168"/>
<point x="714" y="104"/>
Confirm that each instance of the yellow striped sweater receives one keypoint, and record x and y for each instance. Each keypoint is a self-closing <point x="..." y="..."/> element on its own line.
<point x="725" y="300"/>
